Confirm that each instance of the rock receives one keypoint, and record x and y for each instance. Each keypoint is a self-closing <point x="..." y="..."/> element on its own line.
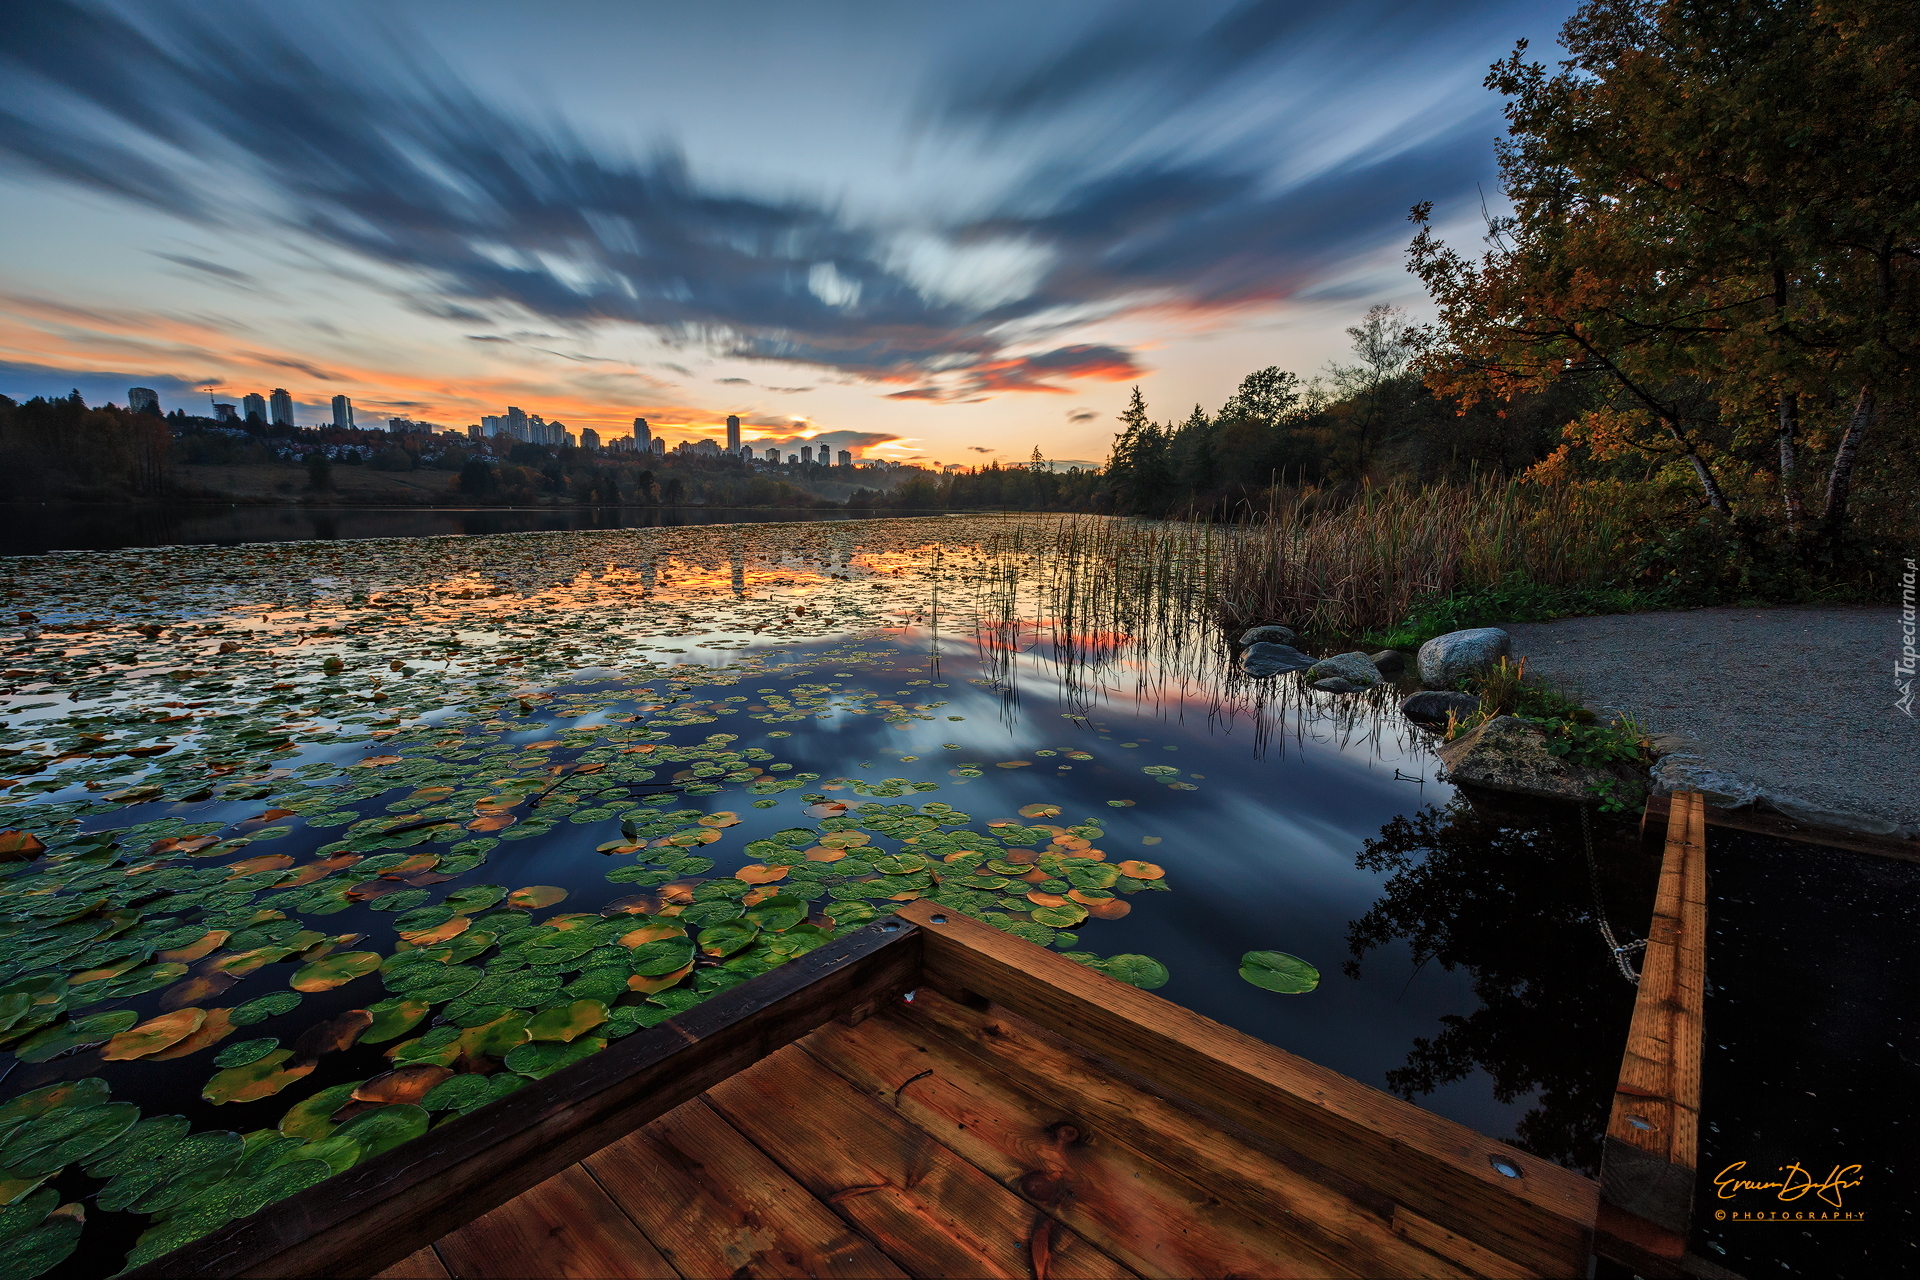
<point x="1390" y="661"/>
<point x="1271" y="633"/>
<point x="1819" y="815"/>
<point x="1508" y="754"/>
<point x="1357" y="668"/>
<point x="1684" y="772"/>
<point x="1335" y="684"/>
<point x="1264" y="659"/>
<point x="1444" y="659"/>
<point x="1667" y="744"/>
<point x="1433" y="706"/>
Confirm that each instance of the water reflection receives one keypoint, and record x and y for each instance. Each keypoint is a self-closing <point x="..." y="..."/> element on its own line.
<point x="1503" y="891"/>
<point x="37" y="528"/>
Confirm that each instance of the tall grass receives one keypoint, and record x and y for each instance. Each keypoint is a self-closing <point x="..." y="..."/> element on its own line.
<point x="1362" y="567"/>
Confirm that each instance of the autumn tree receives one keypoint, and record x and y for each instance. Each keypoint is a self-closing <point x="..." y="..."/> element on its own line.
<point x="1714" y="213"/>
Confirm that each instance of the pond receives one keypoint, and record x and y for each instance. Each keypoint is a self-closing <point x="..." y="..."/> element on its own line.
<point x="30" y="529"/>
<point x="341" y="837"/>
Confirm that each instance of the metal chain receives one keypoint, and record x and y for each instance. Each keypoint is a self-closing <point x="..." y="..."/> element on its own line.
<point x="1615" y="949"/>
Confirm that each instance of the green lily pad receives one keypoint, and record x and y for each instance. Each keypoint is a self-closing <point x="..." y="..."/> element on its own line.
<point x="45" y="1247"/>
<point x="308" y="1118"/>
<point x="92" y="1029"/>
<point x="48" y="1143"/>
<point x="393" y="1018"/>
<point x="1061" y="917"/>
<point x="245" y="1051"/>
<point x="384" y="1128"/>
<point x="431" y="981"/>
<point x="727" y="937"/>
<point x="535" y="896"/>
<point x="542" y="1058"/>
<point x="338" y="1152"/>
<point x="783" y="911"/>
<point x="271" y="1005"/>
<point x="1278" y="971"/>
<point x="566" y="1022"/>
<point x="662" y="957"/>
<point x="470" y="898"/>
<point x="1140" y="971"/>
<point x="23" y="1216"/>
<point x="461" y="1093"/>
<point x="850" y="913"/>
<point x="139" y="1146"/>
<point x="261" y="1078"/>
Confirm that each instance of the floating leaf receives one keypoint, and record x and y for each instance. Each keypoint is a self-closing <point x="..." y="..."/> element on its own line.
<point x="339" y="1153"/>
<point x="309" y="1118"/>
<point x="1064" y="916"/>
<point x="402" y="1084"/>
<point x="647" y="984"/>
<point x="153" y="1035"/>
<point x="567" y="1022"/>
<point x="46" y="1246"/>
<point x="1140" y="870"/>
<point x="494" y="1037"/>
<point x="473" y="897"/>
<point x="245" y="1051"/>
<point x="542" y="1058"/>
<point x="462" y="1093"/>
<point x="662" y="957"/>
<point x="58" y="1039"/>
<point x="205" y="946"/>
<point x="48" y="1143"/>
<point x="393" y="1018"/>
<point x="334" y="1035"/>
<point x="782" y="911"/>
<point x="761" y="875"/>
<point x="256" y="1080"/>
<point x="20" y="846"/>
<point x="385" y="1128"/>
<point x="535" y="896"/>
<point x="442" y="932"/>
<point x="1040" y="811"/>
<point x="138" y="1147"/>
<point x="271" y="1005"/>
<point x="1110" y="909"/>
<point x="1279" y="971"/>
<point x="217" y="1027"/>
<point x="1139" y="971"/>
<point x="723" y="818"/>
<point x="652" y="931"/>
<point x="728" y="936"/>
<point x="334" y="971"/>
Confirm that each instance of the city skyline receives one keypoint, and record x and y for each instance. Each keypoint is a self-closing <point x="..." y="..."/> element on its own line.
<point x="969" y="250"/>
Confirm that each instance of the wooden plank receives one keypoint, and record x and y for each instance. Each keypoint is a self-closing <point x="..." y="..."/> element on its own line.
<point x="1247" y="1180"/>
<point x="1440" y="1170"/>
<point x="1784" y="828"/>
<point x="1651" y="1149"/>
<point x="380" y="1211"/>
<point x="715" y="1205"/>
<point x="563" y="1228"/>
<point x="421" y="1264"/>
<point x="925" y="1207"/>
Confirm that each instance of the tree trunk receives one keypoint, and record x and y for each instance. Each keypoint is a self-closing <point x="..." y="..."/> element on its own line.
<point x="1790" y="461"/>
<point x="1708" y="485"/>
<point x="1840" y="479"/>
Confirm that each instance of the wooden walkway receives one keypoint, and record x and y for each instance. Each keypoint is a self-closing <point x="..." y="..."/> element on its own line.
<point x="939" y="1140"/>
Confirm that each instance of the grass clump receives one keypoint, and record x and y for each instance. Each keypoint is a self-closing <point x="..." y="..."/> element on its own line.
<point x="1573" y="731"/>
<point x="1511" y="601"/>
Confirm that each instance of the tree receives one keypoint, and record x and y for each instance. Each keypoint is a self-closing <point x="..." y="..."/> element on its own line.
<point x="1381" y="341"/>
<point x="477" y="478"/>
<point x="1716" y="215"/>
<point x="674" y="493"/>
<point x="1140" y="469"/>
<point x="319" y="472"/>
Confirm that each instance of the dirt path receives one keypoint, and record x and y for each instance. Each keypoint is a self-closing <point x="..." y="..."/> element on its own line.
<point x="1800" y="701"/>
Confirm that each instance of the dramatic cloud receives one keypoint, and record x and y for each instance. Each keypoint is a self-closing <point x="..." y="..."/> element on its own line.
<point x="22" y="381"/>
<point x="478" y="214"/>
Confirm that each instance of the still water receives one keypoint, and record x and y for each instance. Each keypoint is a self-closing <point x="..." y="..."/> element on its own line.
<point x="281" y="770"/>
<point x="28" y="529"/>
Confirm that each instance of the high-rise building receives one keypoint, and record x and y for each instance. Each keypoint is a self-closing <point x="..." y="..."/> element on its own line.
<point x="281" y="405"/>
<point x="642" y="435"/>
<point x="253" y="406"/>
<point x="659" y="447"/>
<point x="589" y="439"/>
<point x="846" y="457"/>
<point x="517" y="422"/>
<point x="399" y="426"/>
<point x="733" y="433"/>
<point x="225" y="412"/>
<point x="493" y="426"/>
<point x="475" y="431"/>
<point x="793" y="459"/>
<point x="806" y="454"/>
<point x="773" y="454"/>
<point x="342" y="412"/>
<point x="143" y="400"/>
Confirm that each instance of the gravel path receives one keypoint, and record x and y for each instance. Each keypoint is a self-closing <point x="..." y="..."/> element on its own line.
<point x="1800" y="701"/>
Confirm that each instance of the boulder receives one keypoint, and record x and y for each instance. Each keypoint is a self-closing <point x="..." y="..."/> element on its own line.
<point x="1433" y="706"/>
<point x="1508" y="754"/>
<point x="1264" y="659"/>
<point x="1819" y="815"/>
<point x="1355" y="668"/>
<point x="1444" y="659"/>
<point x="1336" y="684"/>
<point x="1271" y="633"/>
<point x="1683" y="772"/>
<point x="1390" y="661"/>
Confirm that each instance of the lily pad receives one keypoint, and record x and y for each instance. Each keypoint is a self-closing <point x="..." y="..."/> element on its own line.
<point x="48" y="1143"/>
<point x="245" y="1051"/>
<point x="259" y="1079"/>
<point x="403" y="1084"/>
<point x="544" y="1057"/>
<point x="1279" y="971"/>
<point x="728" y="936"/>
<point x="1140" y="971"/>
<point x="782" y="911"/>
<point x="88" y="1030"/>
<point x="393" y="1018"/>
<point x="535" y="896"/>
<point x="338" y="1152"/>
<point x="664" y="956"/>
<point x="154" y="1035"/>
<point x="461" y="1093"/>
<point x="385" y="1128"/>
<point x="309" y="1118"/>
<point x="566" y="1022"/>
<point x="271" y="1005"/>
<point x="334" y="971"/>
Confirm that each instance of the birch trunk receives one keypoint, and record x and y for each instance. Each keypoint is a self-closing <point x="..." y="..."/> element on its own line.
<point x="1840" y="479"/>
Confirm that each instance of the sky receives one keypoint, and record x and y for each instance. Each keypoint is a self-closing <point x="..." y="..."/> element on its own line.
<point x="950" y="232"/>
